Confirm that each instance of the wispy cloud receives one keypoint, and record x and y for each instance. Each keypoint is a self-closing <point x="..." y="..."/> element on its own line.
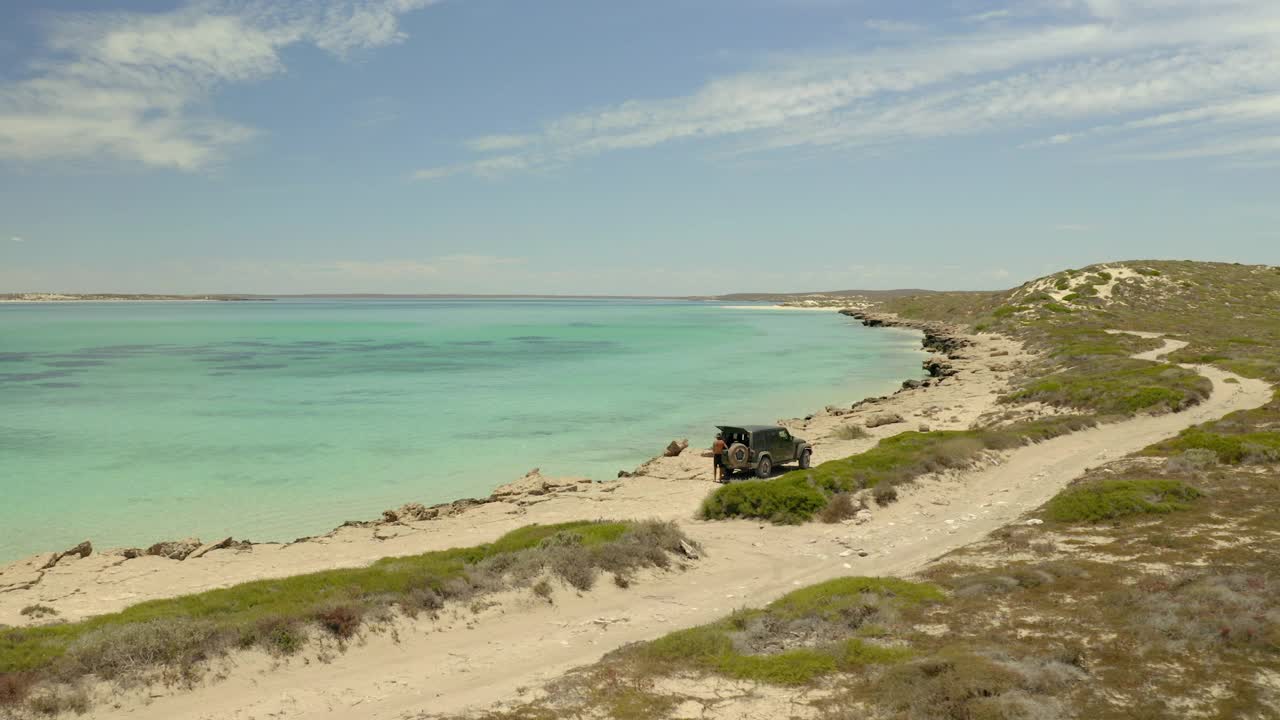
<point x="17" y="239"/>
<point x="893" y="26"/>
<point x="1074" y="64"/>
<point x="136" y="85"/>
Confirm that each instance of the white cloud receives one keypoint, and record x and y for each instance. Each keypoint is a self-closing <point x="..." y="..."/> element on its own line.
<point x="1080" y="62"/>
<point x="893" y="26"/>
<point x="17" y="239"/>
<point x="989" y="16"/>
<point x="135" y="86"/>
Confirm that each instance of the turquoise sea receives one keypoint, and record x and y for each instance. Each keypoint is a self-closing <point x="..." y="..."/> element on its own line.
<point x="127" y="423"/>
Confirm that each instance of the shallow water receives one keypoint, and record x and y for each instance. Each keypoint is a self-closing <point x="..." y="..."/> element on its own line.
<point x="126" y="423"/>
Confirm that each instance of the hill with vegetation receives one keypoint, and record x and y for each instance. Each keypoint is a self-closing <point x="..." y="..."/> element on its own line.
<point x="1145" y="589"/>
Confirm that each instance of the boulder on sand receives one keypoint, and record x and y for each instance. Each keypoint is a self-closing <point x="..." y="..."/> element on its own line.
<point x="175" y="549"/>
<point x="675" y="447"/>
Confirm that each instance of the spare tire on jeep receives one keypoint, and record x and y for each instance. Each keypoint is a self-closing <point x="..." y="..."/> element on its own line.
<point x="738" y="455"/>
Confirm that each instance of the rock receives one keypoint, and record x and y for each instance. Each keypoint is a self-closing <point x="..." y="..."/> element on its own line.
<point x="175" y="549"/>
<point x="924" y="428"/>
<point x="132" y="553"/>
<point x="938" y="368"/>
<point x="83" y="550"/>
<point x="1034" y="521"/>
<point x="886" y="419"/>
<point x="910" y="384"/>
<point x="863" y="553"/>
<point x="675" y="447"/>
<point x="625" y="474"/>
<point x="208" y="547"/>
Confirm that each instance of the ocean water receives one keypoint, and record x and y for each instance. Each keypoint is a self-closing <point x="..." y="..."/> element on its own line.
<point x="127" y="423"/>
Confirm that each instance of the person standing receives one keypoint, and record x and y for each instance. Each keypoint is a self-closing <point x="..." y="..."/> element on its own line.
<point x="717" y="457"/>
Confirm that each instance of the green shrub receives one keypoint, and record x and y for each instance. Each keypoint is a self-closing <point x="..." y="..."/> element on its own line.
<point x="1055" y="307"/>
<point x="784" y="500"/>
<point x="838" y="609"/>
<point x="1112" y="499"/>
<point x="1119" y="386"/>
<point x="1231" y="449"/>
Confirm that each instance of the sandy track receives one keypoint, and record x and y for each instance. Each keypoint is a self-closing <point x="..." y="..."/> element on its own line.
<point x="469" y="660"/>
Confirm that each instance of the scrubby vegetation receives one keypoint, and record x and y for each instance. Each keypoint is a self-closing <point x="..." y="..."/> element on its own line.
<point x="850" y="432"/>
<point x="798" y="495"/>
<point x="1213" y="306"/>
<point x="171" y="640"/>
<point x="1110" y="499"/>
<point x="799" y="637"/>
<point x="1148" y="589"/>
<point x="1062" y="620"/>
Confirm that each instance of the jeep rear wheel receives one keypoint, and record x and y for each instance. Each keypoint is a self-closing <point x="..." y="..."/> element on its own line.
<point x="764" y="467"/>
<point x="806" y="459"/>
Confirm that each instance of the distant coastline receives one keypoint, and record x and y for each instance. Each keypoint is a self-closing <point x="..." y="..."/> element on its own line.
<point x="835" y="299"/>
<point x="122" y="297"/>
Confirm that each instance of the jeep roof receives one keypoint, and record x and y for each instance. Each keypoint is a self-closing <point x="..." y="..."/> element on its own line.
<point x="749" y="428"/>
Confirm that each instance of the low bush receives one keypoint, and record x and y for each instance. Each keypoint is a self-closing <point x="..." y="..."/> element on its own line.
<point x="1112" y="499"/>
<point x="850" y="432"/>
<point x="1230" y="448"/>
<point x="956" y="684"/>
<point x="342" y="621"/>
<point x="37" y="611"/>
<point x="885" y="494"/>
<point x="802" y="636"/>
<point x="1118" y="386"/>
<point x="14" y="687"/>
<point x="839" y="508"/>
<point x="787" y="500"/>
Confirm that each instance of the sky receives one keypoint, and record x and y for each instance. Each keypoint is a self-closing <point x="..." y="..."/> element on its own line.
<point x="663" y="147"/>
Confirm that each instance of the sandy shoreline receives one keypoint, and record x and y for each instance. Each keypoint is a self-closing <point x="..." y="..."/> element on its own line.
<point x="108" y="580"/>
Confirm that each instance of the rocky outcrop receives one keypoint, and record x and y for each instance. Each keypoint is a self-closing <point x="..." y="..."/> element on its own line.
<point x="175" y="549"/>
<point x="25" y="573"/>
<point x="675" y="447"/>
<point x="83" y="550"/>
<point x="534" y="485"/>
<point x="938" y="337"/>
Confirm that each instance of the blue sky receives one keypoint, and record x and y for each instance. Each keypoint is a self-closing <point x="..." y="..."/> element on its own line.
<point x="684" y="147"/>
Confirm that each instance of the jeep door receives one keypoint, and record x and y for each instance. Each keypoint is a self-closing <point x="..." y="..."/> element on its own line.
<point x="784" y="447"/>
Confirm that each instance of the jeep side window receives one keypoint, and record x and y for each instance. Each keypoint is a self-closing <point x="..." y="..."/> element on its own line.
<point x="784" y="435"/>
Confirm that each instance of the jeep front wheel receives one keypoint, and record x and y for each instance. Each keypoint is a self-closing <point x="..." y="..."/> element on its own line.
<point x="764" y="467"/>
<point x="806" y="459"/>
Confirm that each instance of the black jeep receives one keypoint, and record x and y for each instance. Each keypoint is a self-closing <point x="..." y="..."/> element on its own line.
<point x="760" y="447"/>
